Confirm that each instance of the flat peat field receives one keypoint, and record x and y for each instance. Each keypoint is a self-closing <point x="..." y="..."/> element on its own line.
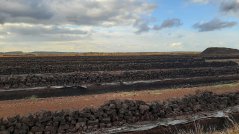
<point x="53" y="83"/>
<point x="22" y="77"/>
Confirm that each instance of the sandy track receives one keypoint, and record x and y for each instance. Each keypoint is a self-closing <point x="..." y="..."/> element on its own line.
<point x="26" y="106"/>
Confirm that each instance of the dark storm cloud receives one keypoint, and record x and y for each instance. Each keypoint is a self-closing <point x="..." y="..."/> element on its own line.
<point x="215" y="24"/>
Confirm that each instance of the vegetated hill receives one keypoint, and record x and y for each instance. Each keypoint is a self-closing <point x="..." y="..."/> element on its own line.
<point x="220" y="51"/>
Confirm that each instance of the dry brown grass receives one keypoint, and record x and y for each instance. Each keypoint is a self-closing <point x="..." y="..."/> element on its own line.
<point x="199" y="130"/>
<point x="233" y="130"/>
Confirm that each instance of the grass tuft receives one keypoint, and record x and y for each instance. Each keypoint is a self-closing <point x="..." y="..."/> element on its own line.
<point x="33" y="97"/>
<point x="200" y="130"/>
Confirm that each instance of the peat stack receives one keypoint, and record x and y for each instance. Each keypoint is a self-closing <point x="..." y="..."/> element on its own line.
<point x="220" y="51"/>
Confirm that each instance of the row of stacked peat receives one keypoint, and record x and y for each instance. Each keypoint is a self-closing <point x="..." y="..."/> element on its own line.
<point x="114" y="113"/>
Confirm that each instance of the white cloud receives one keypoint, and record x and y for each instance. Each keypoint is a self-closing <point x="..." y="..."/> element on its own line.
<point x="78" y="12"/>
<point x="123" y="39"/>
<point x="97" y="25"/>
<point x="176" y="45"/>
<point x="67" y="20"/>
<point x="22" y="32"/>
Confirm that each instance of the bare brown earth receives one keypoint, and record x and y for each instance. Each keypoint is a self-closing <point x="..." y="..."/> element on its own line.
<point x="32" y="105"/>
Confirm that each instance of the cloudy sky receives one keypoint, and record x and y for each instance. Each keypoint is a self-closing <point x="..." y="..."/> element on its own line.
<point x="118" y="25"/>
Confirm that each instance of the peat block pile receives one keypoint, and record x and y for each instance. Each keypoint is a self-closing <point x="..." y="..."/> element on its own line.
<point x="67" y="67"/>
<point x="28" y="74"/>
<point x="220" y="51"/>
<point x="115" y="113"/>
<point x="23" y="72"/>
<point x="79" y="78"/>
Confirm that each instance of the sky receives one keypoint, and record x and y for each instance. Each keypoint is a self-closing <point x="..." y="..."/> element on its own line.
<point x="118" y="25"/>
